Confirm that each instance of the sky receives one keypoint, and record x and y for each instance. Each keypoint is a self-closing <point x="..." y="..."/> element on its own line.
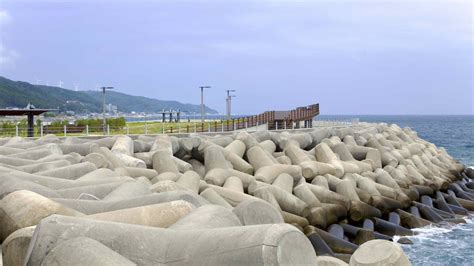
<point x="352" y="57"/>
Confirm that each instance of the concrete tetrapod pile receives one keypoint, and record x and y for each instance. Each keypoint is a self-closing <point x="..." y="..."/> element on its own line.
<point x="327" y="196"/>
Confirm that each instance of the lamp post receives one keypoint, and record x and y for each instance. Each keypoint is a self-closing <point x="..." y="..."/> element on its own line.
<point x="229" y="103"/>
<point x="202" y="101"/>
<point x="104" y="121"/>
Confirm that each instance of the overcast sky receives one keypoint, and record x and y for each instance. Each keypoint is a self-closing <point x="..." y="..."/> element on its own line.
<point x="353" y="57"/>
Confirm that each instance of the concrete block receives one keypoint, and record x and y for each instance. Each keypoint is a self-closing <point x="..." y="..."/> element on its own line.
<point x="98" y="191"/>
<point x="219" y="176"/>
<point x="303" y="192"/>
<point x="33" y="154"/>
<point x="289" y="202"/>
<point x="97" y="174"/>
<point x="111" y="157"/>
<point x="237" y="147"/>
<point x="96" y="158"/>
<point x="231" y="196"/>
<point x="83" y="149"/>
<point x="70" y="171"/>
<point x="268" y="174"/>
<point x="163" y="162"/>
<point x="258" y="158"/>
<point x="136" y="172"/>
<point x="257" y="212"/>
<point x="94" y="206"/>
<point x="83" y="251"/>
<point x="320" y="181"/>
<point x="24" y="208"/>
<point x="285" y="182"/>
<point x="141" y="146"/>
<point x="274" y="244"/>
<point x="128" y="190"/>
<point x="15" y="246"/>
<point x="214" y="198"/>
<point x="336" y="244"/>
<point x="207" y="217"/>
<point x="234" y="183"/>
<point x="214" y="158"/>
<point x="379" y="252"/>
<point x="326" y="196"/>
<point x="156" y="215"/>
<point x="190" y="180"/>
<point x="198" y="167"/>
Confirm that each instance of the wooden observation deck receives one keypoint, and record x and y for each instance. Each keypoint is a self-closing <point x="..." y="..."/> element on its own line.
<point x="285" y="119"/>
<point x="273" y="120"/>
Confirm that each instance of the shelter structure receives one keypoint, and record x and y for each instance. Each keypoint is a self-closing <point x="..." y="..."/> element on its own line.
<point x="30" y="111"/>
<point x="171" y="113"/>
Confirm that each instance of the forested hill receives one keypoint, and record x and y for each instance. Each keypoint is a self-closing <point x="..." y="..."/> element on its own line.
<point x="19" y="94"/>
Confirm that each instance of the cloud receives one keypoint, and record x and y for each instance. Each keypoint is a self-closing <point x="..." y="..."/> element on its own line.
<point x="4" y="17"/>
<point x="7" y="56"/>
<point x="279" y="28"/>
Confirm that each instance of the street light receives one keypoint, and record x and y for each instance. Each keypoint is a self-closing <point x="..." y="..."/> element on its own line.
<point x="229" y="103"/>
<point x="104" y="122"/>
<point x="202" y="101"/>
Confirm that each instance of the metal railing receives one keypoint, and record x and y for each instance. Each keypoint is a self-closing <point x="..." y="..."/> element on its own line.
<point x="335" y="122"/>
<point x="168" y="128"/>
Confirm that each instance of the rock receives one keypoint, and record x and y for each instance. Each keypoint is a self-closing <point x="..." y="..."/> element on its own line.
<point x="405" y="241"/>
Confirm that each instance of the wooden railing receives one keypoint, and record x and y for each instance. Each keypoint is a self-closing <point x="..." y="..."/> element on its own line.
<point x="297" y="115"/>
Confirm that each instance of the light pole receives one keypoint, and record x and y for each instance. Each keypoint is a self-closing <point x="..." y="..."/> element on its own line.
<point x="104" y="122"/>
<point x="202" y="101"/>
<point x="229" y="103"/>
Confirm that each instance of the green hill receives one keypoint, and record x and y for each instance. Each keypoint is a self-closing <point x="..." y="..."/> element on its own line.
<point x="19" y="94"/>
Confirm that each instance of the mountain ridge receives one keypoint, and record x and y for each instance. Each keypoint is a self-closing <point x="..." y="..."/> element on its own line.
<point x="20" y="93"/>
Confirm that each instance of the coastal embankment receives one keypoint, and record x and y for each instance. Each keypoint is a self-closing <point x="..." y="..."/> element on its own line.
<point x="331" y="195"/>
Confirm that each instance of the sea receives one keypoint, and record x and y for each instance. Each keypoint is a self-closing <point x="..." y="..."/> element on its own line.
<point x="437" y="245"/>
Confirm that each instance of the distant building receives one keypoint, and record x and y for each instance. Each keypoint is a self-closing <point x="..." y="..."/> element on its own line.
<point x="110" y="108"/>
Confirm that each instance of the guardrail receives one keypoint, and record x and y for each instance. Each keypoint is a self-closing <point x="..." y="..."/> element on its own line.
<point x="165" y="128"/>
<point x="335" y="122"/>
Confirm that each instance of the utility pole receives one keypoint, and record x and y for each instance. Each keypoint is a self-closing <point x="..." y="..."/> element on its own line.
<point x="104" y="121"/>
<point x="202" y="101"/>
<point x="229" y="103"/>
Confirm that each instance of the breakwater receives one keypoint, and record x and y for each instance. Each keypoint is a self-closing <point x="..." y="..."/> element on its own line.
<point x="199" y="199"/>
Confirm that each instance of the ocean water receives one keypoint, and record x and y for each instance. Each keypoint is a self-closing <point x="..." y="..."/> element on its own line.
<point x="443" y="245"/>
<point x="438" y="245"/>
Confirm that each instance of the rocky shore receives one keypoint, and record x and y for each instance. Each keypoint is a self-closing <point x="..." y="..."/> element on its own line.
<point x="327" y="196"/>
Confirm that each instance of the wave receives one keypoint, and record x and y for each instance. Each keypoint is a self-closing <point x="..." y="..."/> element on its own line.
<point x="442" y="245"/>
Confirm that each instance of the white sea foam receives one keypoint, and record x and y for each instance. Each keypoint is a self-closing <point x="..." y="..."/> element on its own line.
<point x="442" y="245"/>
